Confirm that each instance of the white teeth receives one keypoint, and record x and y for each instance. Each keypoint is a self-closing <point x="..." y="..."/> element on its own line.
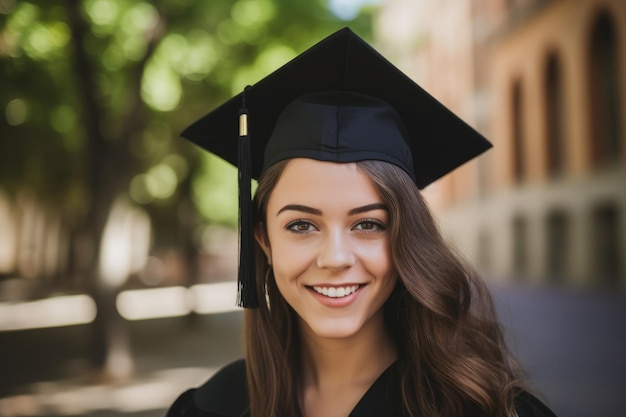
<point x="336" y="292"/>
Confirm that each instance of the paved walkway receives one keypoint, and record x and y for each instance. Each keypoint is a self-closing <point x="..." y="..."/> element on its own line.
<point x="43" y="372"/>
<point x="572" y="344"/>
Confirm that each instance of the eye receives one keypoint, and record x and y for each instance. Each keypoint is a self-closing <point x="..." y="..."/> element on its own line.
<point x="300" y="226"/>
<point x="369" y="225"/>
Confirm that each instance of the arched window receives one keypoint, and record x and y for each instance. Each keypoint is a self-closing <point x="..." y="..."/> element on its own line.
<point x="520" y="247"/>
<point x="558" y="245"/>
<point x="606" y="244"/>
<point x="553" y="88"/>
<point x="517" y="132"/>
<point x="604" y="100"/>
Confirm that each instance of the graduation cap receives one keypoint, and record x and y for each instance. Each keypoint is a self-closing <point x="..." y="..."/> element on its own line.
<point x="338" y="101"/>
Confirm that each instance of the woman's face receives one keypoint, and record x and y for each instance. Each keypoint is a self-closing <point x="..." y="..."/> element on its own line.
<point x="328" y="243"/>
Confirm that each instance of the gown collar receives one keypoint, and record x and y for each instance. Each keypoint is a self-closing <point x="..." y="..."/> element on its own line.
<point x="226" y="394"/>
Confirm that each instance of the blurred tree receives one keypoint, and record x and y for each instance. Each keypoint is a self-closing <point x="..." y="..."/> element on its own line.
<point x="95" y="93"/>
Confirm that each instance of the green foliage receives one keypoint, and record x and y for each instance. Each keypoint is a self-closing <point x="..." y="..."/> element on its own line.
<point x="150" y="69"/>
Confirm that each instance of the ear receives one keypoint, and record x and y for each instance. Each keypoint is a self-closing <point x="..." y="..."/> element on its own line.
<point x="260" y="235"/>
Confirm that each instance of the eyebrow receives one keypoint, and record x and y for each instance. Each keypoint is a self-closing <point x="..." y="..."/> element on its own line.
<point x="318" y="212"/>
<point x="368" y="207"/>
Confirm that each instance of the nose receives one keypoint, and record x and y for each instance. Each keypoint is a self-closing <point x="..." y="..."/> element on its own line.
<point x="336" y="251"/>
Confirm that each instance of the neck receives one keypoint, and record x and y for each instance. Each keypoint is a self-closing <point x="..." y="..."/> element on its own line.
<point x="355" y="360"/>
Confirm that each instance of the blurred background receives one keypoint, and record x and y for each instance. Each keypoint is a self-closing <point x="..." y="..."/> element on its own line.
<point x="118" y="244"/>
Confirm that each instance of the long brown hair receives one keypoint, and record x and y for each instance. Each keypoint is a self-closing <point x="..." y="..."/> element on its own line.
<point x="452" y="355"/>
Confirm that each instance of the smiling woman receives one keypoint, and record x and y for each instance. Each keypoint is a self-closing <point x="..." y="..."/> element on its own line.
<point x="329" y="249"/>
<point x="355" y="305"/>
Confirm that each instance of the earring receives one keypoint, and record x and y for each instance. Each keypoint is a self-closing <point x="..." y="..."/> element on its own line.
<point x="265" y="286"/>
<point x="267" y="275"/>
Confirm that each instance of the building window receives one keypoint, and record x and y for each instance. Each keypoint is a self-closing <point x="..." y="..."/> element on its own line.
<point x="517" y="132"/>
<point x="520" y="246"/>
<point x="606" y="245"/>
<point x="553" y="88"/>
<point x="604" y="100"/>
<point x="558" y="245"/>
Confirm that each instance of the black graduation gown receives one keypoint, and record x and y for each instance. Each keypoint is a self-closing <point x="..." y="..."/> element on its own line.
<point x="226" y="395"/>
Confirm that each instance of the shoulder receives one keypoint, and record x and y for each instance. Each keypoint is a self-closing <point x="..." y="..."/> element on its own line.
<point x="225" y="394"/>
<point x="527" y="405"/>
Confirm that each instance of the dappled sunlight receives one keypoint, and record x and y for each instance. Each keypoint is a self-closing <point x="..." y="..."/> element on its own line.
<point x="38" y="39"/>
<point x="153" y="303"/>
<point x="161" y="88"/>
<point x="178" y="301"/>
<point x="16" y="112"/>
<point x="125" y="244"/>
<point x="63" y="119"/>
<point x="214" y="298"/>
<point x="215" y="190"/>
<point x="142" y="304"/>
<point x="154" y="391"/>
<point x="161" y="181"/>
<point x="8" y="247"/>
<point x="192" y="56"/>
<point x="57" y="311"/>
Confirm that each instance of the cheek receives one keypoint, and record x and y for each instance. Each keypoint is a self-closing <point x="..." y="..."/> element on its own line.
<point x="385" y="272"/>
<point x="289" y="260"/>
<point x="285" y="263"/>
<point x="382" y="267"/>
<point x="379" y="260"/>
<point x="287" y="272"/>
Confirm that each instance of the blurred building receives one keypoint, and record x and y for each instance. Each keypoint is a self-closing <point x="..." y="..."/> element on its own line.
<point x="545" y="81"/>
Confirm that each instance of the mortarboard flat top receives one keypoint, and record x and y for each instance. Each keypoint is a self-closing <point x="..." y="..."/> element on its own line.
<point x="439" y="141"/>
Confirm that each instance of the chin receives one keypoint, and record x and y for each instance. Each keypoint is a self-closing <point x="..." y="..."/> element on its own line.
<point x="335" y="328"/>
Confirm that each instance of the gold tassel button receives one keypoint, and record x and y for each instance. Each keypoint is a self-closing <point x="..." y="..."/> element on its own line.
<point x="243" y="124"/>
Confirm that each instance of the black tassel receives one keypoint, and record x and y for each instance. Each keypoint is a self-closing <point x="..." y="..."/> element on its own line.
<point x="247" y="291"/>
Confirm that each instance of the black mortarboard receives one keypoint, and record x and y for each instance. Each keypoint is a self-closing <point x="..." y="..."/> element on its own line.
<point x="340" y="101"/>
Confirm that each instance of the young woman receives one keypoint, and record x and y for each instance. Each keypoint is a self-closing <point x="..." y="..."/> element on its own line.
<point x="355" y="306"/>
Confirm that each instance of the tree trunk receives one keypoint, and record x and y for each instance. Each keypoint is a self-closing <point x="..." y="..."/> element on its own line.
<point x="106" y="172"/>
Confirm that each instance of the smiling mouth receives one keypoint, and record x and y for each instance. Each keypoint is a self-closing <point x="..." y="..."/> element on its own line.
<point x="336" y="292"/>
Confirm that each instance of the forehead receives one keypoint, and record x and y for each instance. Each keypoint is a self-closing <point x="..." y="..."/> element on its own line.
<point x="313" y="182"/>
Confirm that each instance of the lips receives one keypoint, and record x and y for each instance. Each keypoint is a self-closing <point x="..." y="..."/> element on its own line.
<point x="336" y="295"/>
<point x="336" y="292"/>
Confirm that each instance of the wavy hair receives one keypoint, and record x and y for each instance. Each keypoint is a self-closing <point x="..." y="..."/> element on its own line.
<point x="451" y="350"/>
